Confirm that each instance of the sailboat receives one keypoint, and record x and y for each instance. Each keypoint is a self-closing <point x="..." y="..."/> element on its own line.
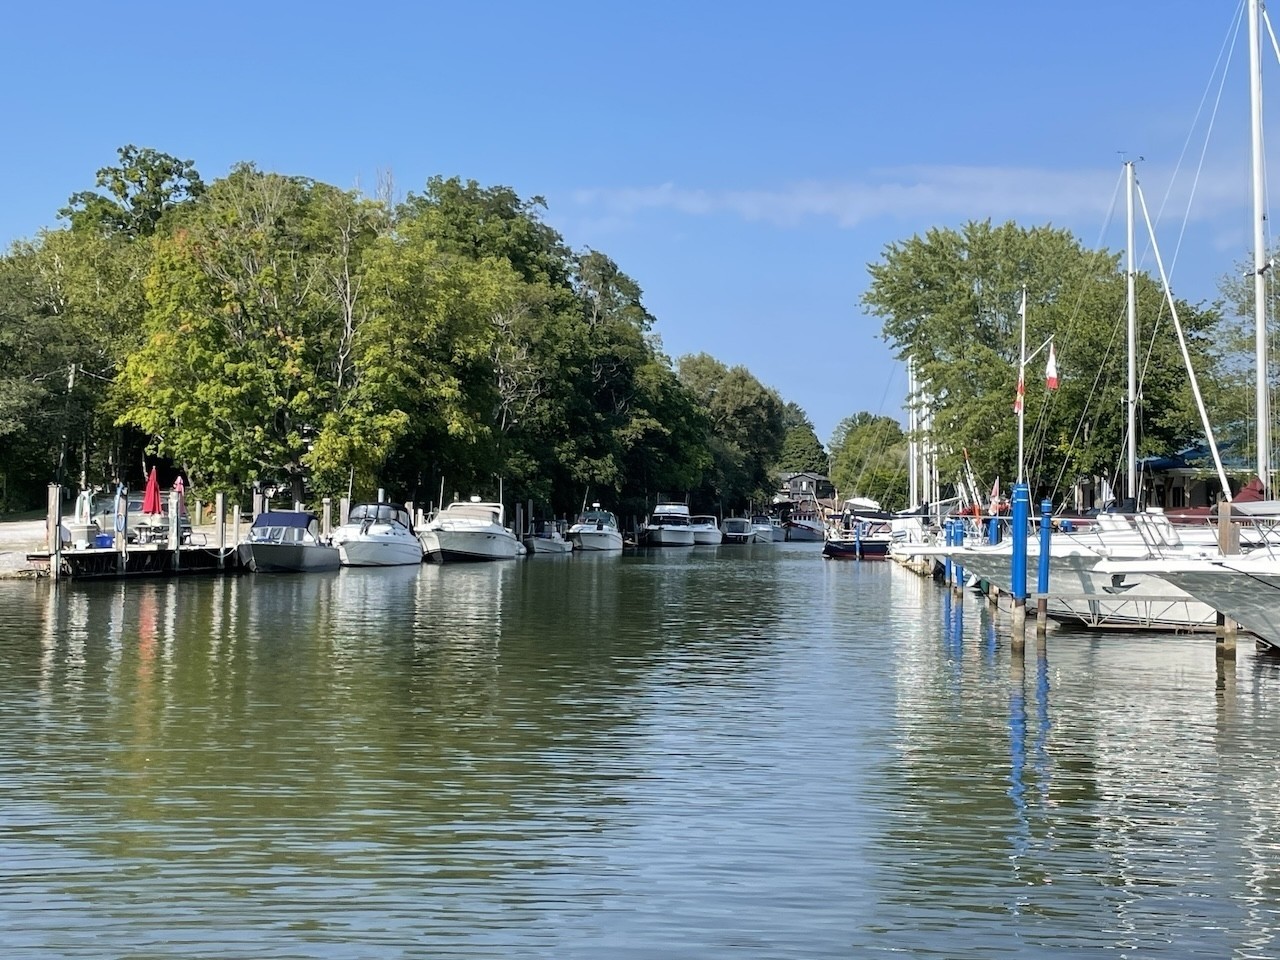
<point x="1245" y="588"/>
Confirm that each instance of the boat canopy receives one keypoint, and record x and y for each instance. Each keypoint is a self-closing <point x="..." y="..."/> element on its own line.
<point x="284" y="518"/>
<point x="379" y="513"/>
<point x="599" y="516"/>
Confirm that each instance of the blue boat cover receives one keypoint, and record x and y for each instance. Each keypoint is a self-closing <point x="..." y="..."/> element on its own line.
<point x="283" y="518"/>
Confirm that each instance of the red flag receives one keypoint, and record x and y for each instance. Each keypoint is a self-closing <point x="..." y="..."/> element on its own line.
<point x="1051" y="371"/>
<point x="1017" y="401"/>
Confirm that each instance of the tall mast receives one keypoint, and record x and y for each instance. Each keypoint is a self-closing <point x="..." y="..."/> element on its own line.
<point x="913" y="436"/>
<point x="1022" y="370"/>
<point x="1131" y="489"/>
<point x="1263" y="411"/>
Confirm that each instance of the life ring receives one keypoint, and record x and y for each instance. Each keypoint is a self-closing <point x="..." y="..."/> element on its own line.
<point x="119" y="522"/>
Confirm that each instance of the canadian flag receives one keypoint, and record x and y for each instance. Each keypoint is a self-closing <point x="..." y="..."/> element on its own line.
<point x="1051" y="370"/>
<point x="1017" y="400"/>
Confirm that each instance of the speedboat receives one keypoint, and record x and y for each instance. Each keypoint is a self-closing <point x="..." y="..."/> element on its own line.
<point x="706" y="531"/>
<point x="667" y="526"/>
<point x="377" y="535"/>
<point x="547" y="538"/>
<point x="596" y="529"/>
<point x="738" y="530"/>
<point x="470" y="530"/>
<point x="762" y="526"/>
<point x="288" y="540"/>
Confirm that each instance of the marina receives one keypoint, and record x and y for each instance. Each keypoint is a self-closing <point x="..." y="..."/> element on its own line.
<point x="710" y="751"/>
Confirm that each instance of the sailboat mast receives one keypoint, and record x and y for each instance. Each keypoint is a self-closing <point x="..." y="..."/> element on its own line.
<point x="1263" y="411"/>
<point x="1022" y="369"/>
<point x="913" y="436"/>
<point x="1131" y="488"/>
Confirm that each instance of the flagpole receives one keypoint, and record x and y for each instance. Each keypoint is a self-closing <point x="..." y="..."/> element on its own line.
<point x="1022" y="370"/>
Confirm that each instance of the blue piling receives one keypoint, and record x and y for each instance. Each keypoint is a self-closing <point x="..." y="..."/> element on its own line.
<point x="948" y="540"/>
<point x="1021" y="519"/>
<point x="993" y="530"/>
<point x="959" y="524"/>
<point x="1042" y="571"/>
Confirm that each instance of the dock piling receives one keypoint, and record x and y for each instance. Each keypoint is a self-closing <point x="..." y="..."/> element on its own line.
<point x="1021" y="519"/>
<point x="1042" y="568"/>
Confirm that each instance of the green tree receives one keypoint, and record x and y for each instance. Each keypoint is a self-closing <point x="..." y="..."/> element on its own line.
<point x="745" y="433"/>
<point x="145" y="186"/>
<point x="802" y="451"/>
<point x="951" y="300"/>
<point x="871" y="460"/>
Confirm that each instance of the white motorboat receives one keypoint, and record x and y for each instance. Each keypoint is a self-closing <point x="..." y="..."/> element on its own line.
<point x="468" y="531"/>
<point x="762" y="526"/>
<point x="596" y="529"/>
<point x="667" y="526"/>
<point x="546" y="538"/>
<point x="738" y="530"/>
<point x="706" y="531"/>
<point x="377" y="535"/>
<point x="288" y="540"/>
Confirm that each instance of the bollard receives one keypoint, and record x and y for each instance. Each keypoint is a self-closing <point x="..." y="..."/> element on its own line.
<point x="1042" y="568"/>
<point x="1021" y="518"/>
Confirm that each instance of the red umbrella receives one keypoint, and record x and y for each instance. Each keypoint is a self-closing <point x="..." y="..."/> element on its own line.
<point x="151" y="497"/>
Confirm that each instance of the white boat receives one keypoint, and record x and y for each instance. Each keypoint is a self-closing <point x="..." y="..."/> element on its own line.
<point x="546" y="538"/>
<point x="470" y="530"/>
<point x="667" y="526"/>
<point x="762" y="525"/>
<point x="288" y="540"/>
<point x="377" y="535"/>
<point x="596" y="529"/>
<point x="738" y="530"/>
<point x="805" y="524"/>
<point x="706" y="531"/>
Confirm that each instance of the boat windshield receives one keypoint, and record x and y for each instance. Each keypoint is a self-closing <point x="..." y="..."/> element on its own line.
<point x="599" y="516"/>
<point x="379" y="513"/>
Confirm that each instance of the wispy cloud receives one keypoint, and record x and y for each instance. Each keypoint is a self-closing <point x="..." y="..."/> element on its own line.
<point x="939" y="193"/>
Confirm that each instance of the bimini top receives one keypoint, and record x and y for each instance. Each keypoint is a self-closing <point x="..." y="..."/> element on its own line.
<point x="599" y="516"/>
<point x="284" y="518"/>
<point x="380" y="513"/>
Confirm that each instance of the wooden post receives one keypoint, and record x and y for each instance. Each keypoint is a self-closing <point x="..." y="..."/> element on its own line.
<point x="326" y="517"/>
<point x="175" y="529"/>
<point x="344" y="510"/>
<point x="220" y="519"/>
<point x="1228" y="543"/>
<point x="53" y="529"/>
<point x="235" y="525"/>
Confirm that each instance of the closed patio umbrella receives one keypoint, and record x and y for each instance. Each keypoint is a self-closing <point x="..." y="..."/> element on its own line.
<point x="151" y="496"/>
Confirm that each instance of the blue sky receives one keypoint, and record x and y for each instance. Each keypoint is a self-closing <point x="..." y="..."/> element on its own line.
<point x="743" y="162"/>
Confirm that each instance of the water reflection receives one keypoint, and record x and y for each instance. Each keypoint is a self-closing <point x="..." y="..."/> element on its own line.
<point x="678" y="753"/>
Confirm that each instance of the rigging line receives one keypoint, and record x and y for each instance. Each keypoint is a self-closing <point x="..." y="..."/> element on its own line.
<point x="1225" y="54"/>
<point x="1073" y="321"/>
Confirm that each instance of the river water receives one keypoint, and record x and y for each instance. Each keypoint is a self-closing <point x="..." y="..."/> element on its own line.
<point x="706" y="753"/>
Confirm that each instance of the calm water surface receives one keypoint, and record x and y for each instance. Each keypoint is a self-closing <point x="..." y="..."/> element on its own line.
<point x="718" y="752"/>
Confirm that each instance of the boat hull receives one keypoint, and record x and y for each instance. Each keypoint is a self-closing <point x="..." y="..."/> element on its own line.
<point x="553" y="546"/>
<point x="375" y="551"/>
<point x="596" y="539"/>
<point x="468" y="546"/>
<point x="667" y="537"/>
<point x="868" y="548"/>
<point x="293" y="557"/>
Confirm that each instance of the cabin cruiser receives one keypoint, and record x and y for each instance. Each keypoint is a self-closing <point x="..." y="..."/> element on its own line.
<point x="468" y="531"/>
<point x="706" y="531"/>
<point x="377" y="535"/>
<point x="545" y="537"/>
<point x="667" y="526"/>
<point x="596" y="529"/>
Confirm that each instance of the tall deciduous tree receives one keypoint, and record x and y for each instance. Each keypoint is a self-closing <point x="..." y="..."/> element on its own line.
<point x="951" y="300"/>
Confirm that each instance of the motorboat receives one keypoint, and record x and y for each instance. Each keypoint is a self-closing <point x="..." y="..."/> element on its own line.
<point x="706" y="531"/>
<point x="377" y="535"/>
<point x="468" y="531"/>
<point x="546" y="538"/>
<point x="288" y="540"/>
<point x="596" y="529"/>
<point x="738" y="530"/>
<point x="805" y="523"/>
<point x="667" y="526"/>
<point x="861" y="534"/>
<point x="762" y="526"/>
